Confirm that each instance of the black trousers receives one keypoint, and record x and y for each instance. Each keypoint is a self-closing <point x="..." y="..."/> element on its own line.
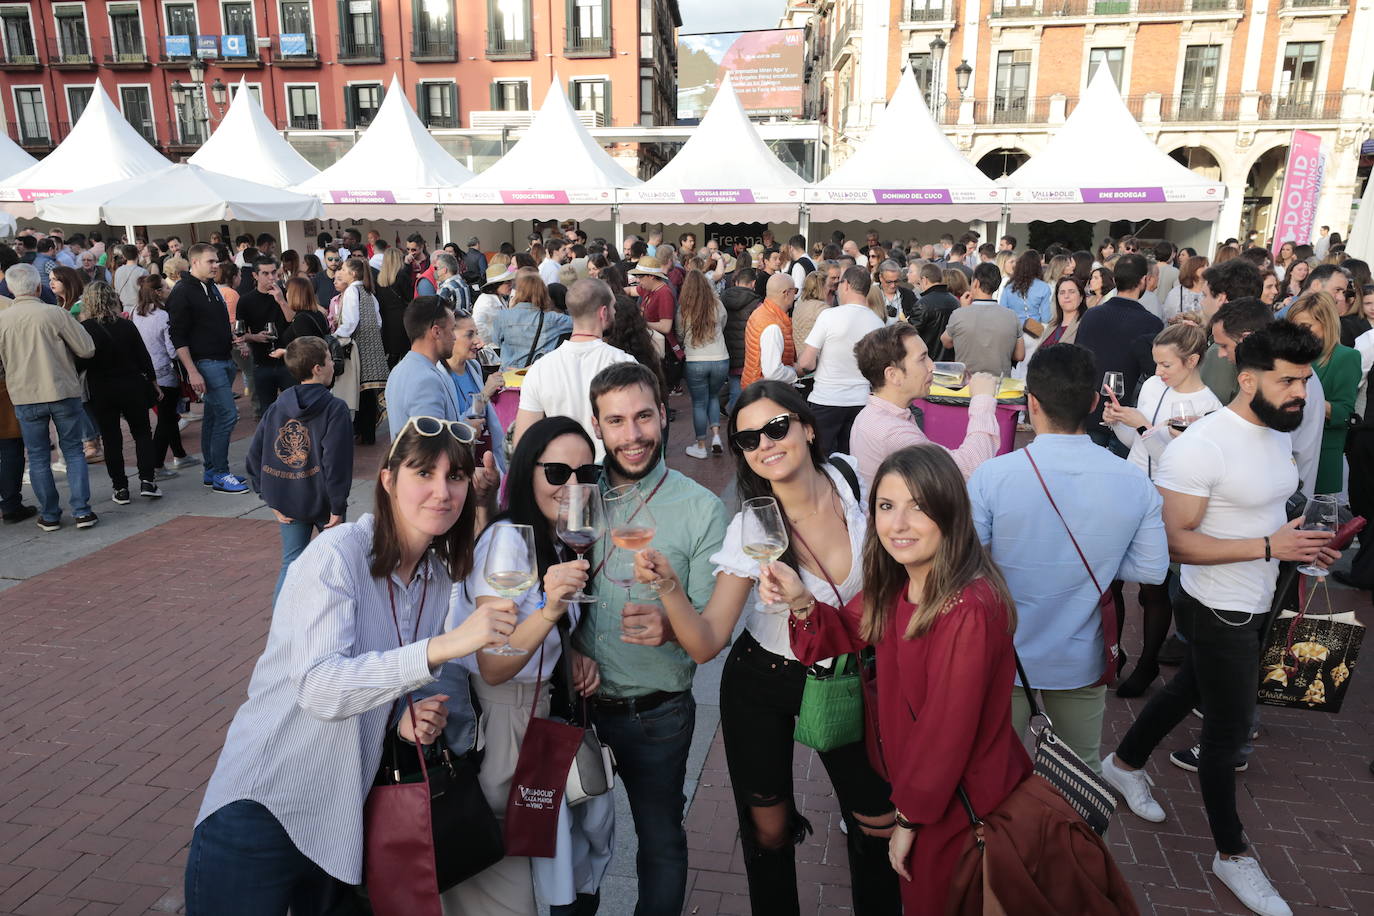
<point x="268" y="382"/>
<point x="365" y="418"/>
<point x="1359" y="451"/>
<point x="129" y="401"/>
<point x="760" y="695"/>
<point x="832" y="427"/>
<point x="168" y="432"/>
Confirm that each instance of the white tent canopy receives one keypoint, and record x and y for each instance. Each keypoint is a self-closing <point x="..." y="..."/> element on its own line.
<point x="101" y="148"/>
<point x="887" y="179"/>
<point x="723" y="173"/>
<point x="13" y="158"/>
<point x="1361" y="241"/>
<point x="557" y="170"/>
<point x="246" y="143"/>
<point x="1101" y="165"/>
<point x="176" y="195"/>
<point x="394" y="171"/>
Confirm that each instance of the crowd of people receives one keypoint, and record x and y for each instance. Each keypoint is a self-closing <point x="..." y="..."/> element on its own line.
<point x="936" y="566"/>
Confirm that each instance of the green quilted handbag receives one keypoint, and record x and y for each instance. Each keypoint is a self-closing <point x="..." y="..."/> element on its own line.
<point x="832" y="706"/>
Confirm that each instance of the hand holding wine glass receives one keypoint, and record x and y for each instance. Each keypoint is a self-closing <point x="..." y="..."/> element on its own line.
<point x="1182" y="415"/>
<point x="581" y="523"/>
<point x="511" y="569"/>
<point x="764" y="538"/>
<point x="1113" y="388"/>
<point x="1321" y="515"/>
<point x="632" y="523"/>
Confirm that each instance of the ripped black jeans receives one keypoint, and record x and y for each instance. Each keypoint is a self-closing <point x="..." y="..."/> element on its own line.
<point x="760" y="693"/>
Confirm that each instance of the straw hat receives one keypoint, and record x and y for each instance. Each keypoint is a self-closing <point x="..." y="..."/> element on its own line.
<point x="649" y="267"/>
<point x="497" y="274"/>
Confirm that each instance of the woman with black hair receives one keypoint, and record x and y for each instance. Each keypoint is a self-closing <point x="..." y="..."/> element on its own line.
<point x="552" y="453"/>
<point x="772" y="435"/>
<point x="1101" y="285"/>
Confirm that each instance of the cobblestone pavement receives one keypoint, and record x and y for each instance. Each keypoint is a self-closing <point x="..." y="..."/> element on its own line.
<point x="121" y="669"/>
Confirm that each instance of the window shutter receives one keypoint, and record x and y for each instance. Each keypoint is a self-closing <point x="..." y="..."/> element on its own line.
<point x="495" y="96"/>
<point x="457" y="115"/>
<point x="350" y="108"/>
<point x="606" y="101"/>
<point x="422" y="102"/>
<point x="524" y="96"/>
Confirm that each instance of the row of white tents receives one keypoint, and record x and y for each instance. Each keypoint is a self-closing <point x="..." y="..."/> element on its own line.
<point x="1098" y="165"/>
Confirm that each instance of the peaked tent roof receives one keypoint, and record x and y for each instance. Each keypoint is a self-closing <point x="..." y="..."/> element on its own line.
<point x="883" y="179"/>
<point x="13" y="158"/>
<point x="246" y="143"/>
<point x="396" y="168"/>
<point x="102" y="147"/>
<point x="1101" y="165"/>
<point x="725" y="147"/>
<point x="584" y="182"/>
<point x="176" y="194"/>
<point x="1361" y="241"/>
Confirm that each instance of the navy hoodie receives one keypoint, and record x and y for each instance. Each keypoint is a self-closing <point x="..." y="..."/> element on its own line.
<point x="301" y="459"/>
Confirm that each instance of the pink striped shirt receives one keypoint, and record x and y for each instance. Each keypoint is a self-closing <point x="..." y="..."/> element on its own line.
<point x="882" y="428"/>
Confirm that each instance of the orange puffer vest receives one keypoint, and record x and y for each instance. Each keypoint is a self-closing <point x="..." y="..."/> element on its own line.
<point x="768" y="313"/>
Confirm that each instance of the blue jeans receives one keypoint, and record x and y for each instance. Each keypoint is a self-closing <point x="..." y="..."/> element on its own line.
<point x="220" y="413"/>
<point x="704" y="381"/>
<point x="651" y="753"/>
<point x="69" y="416"/>
<point x="734" y="393"/>
<point x="11" y="475"/>
<point x="243" y="863"/>
<point x="295" y="537"/>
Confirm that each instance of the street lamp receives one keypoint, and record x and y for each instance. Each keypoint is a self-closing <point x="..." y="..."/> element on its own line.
<point x="191" y="99"/>
<point x="962" y="73"/>
<point x="937" y="55"/>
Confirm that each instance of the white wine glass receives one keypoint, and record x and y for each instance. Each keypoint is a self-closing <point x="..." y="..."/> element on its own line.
<point x="764" y="537"/>
<point x="511" y="569"/>
<point x="1320" y="515"/>
<point x="581" y="523"/>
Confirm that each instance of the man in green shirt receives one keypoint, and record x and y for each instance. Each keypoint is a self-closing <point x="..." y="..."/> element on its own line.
<point x="644" y="709"/>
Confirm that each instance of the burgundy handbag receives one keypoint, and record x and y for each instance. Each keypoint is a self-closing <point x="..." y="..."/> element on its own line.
<point x="536" y="789"/>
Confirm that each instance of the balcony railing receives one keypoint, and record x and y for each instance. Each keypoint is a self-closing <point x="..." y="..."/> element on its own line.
<point x="918" y="11"/>
<point x="67" y="54"/>
<point x="20" y="58"/>
<point x="124" y="54"/>
<point x="428" y="45"/>
<point x="1315" y="4"/>
<point x="1200" y="107"/>
<point x="301" y="122"/>
<point x="32" y="136"/>
<point x="365" y="48"/>
<point x="576" y="45"/>
<point x="501" y="47"/>
<point x="1074" y="9"/>
<point x="183" y="133"/>
<point x="440" y="122"/>
<point x="1316" y="106"/>
<point x="1012" y="109"/>
<point x="290" y="53"/>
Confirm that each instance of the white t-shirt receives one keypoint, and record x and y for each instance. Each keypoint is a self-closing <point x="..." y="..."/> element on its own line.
<point x="838" y="380"/>
<point x="557" y="385"/>
<point x="1247" y="474"/>
<point x="1156" y="401"/>
<point x="463" y="601"/>
<point x="771" y="629"/>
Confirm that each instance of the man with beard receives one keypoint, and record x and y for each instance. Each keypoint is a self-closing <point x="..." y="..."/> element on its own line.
<point x="1225" y="482"/>
<point x="644" y="709"/>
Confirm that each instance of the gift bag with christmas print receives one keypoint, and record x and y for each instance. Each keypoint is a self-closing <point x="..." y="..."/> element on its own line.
<point x="1308" y="658"/>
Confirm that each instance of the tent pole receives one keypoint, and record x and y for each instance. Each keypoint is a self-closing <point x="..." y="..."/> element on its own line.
<point x="1213" y="236"/>
<point x="446" y="224"/>
<point x="1003" y="223"/>
<point x="619" y="227"/>
<point x="283" y="244"/>
<point x="804" y="221"/>
<point x="129" y="234"/>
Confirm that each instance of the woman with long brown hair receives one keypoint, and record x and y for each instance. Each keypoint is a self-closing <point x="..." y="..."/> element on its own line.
<point x="937" y="611"/>
<point x="1187" y="295"/>
<point x="66" y="284"/>
<point x="394" y="292"/>
<point x="700" y="326"/>
<point x="151" y="319"/>
<point x="531" y="326"/>
<point x="304" y="317"/>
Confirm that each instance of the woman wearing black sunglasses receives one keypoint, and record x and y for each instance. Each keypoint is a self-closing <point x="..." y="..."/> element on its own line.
<point x="772" y="435"/>
<point x="551" y="453"/>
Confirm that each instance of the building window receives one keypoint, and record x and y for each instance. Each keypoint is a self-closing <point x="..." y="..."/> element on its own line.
<point x="433" y="37"/>
<point x="589" y="26"/>
<point x="33" y="117"/>
<point x="438" y="103"/>
<point x="919" y="62"/>
<point x="1114" y="58"/>
<point x="295" y="20"/>
<point x="361" y="102"/>
<point x="1201" y="65"/>
<point x="359" y="38"/>
<point x="1297" y="80"/>
<point x="190" y="128"/>
<point x="18" y="30"/>
<point x="255" y="88"/>
<point x="126" y="34"/>
<point x="73" y="41"/>
<point x="925" y="11"/>
<point x="1012" y="96"/>
<point x="181" y="23"/>
<point x="508" y="28"/>
<point x="137" y="105"/>
<point x="303" y="107"/>
<point x="510" y="95"/>
<point x="78" y="97"/>
<point x="238" y="20"/>
<point x="593" y="95"/>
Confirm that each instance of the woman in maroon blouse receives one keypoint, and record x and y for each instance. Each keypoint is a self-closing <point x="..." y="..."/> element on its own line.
<point x="937" y="611"/>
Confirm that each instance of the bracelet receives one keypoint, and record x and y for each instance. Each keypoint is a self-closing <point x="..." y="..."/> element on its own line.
<point x="805" y="610"/>
<point x="904" y="823"/>
<point x="1268" y="555"/>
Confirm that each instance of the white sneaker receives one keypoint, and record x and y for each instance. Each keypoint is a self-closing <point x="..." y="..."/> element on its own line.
<point x="1134" y="786"/>
<point x="696" y="451"/>
<point x="718" y="449"/>
<point x="1246" y="880"/>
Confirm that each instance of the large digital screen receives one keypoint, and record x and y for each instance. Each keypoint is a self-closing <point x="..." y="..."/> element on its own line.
<point x="765" y="68"/>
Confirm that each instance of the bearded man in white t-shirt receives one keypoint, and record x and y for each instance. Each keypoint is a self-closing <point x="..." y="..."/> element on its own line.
<point x="1225" y="482"/>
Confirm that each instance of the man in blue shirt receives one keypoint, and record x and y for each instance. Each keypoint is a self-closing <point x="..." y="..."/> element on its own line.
<point x="1059" y="633"/>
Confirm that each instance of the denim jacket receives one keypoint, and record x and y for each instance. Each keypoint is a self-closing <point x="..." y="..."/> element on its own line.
<point x="513" y="333"/>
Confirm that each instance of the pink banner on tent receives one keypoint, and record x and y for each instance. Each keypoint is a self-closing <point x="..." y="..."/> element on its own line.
<point x="1302" y="185"/>
<point x="41" y="193"/>
<point x="362" y="197"/>
<point x="718" y="196"/>
<point x="1123" y="195"/>
<point x="911" y="196"/>
<point x="534" y="197"/>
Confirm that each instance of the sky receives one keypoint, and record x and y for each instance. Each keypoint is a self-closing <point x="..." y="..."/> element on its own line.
<point x="738" y="15"/>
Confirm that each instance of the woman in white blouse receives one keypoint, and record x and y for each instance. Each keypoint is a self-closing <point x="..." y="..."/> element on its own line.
<point x="360" y="320"/>
<point x="1147" y="429"/>
<point x="772" y="434"/>
<point x="359" y="625"/>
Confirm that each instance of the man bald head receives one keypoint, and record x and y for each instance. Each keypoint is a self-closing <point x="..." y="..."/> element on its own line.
<point x="781" y="290"/>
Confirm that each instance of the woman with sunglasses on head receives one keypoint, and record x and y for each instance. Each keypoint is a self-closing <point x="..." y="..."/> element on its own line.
<point x="772" y="434"/>
<point x="553" y="453"/>
<point x="358" y="627"/>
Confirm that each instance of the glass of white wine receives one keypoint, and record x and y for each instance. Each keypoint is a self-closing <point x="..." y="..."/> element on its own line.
<point x="764" y="537"/>
<point x="511" y="569"/>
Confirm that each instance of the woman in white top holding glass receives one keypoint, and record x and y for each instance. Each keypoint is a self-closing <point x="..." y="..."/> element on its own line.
<point x="1169" y="401"/>
<point x="809" y="514"/>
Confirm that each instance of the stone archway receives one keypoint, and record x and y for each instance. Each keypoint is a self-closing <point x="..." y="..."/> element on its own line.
<point x="1263" y="186"/>
<point x="1199" y="159"/>
<point x="1003" y="161"/>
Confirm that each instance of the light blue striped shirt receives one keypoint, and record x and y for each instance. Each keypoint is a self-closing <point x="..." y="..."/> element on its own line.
<point x="307" y="743"/>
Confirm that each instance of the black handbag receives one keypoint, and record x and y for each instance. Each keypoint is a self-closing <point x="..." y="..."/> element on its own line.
<point x="1058" y="765"/>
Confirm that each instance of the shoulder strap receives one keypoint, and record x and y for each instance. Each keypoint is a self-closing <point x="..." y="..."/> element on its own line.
<point x="847" y="473"/>
<point x="1081" y="555"/>
<point x="529" y="358"/>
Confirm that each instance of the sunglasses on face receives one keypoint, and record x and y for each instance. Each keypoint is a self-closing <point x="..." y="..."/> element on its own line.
<point x="746" y="440"/>
<point x="557" y="473"/>
<point x="433" y="426"/>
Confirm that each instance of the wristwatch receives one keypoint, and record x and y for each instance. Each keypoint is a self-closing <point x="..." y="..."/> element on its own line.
<point x="1142" y="430"/>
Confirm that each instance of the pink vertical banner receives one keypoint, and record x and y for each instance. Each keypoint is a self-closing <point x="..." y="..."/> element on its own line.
<point x="1302" y="185"/>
